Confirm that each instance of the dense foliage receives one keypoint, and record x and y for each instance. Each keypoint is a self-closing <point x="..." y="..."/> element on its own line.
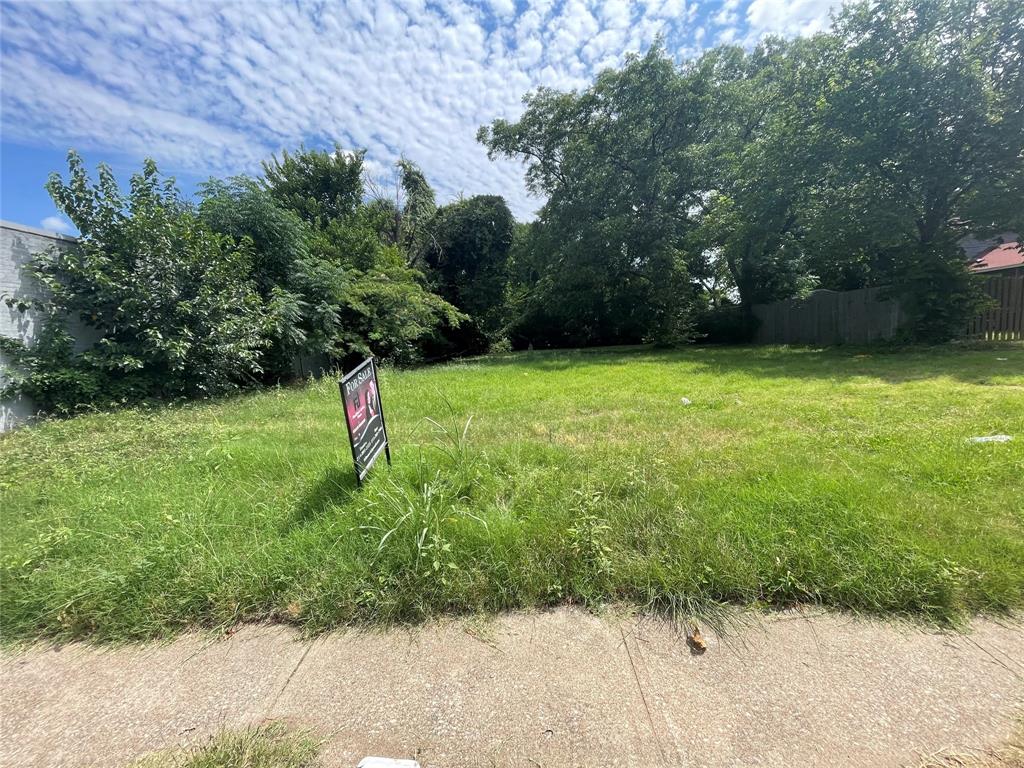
<point x="467" y="257"/>
<point x="677" y="196"/>
<point x="168" y="304"/>
<point x="318" y="186"/>
<point x="263" y="277"/>
<point x="615" y="164"/>
<point x="336" y="283"/>
<point x="850" y="158"/>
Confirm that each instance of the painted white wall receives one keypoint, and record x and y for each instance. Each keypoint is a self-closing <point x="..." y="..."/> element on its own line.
<point x="17" y="245"/>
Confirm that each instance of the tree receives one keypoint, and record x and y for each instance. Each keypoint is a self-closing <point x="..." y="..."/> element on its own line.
<point x="418" y="210"/>
<point x="169" y="301"/>
<point x="615" y="164"/>
<point x="925" y="120"/>
<point x="467" y="259"/>
<point x="758" y="164"/>
<point x="353" y="292"/>
<point x="245" y="210"/>
<point x="318" y="186"/>
<point x="362" y="298"/>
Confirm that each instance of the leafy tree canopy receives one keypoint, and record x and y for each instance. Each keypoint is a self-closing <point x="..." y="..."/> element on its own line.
<point x="616" y="163"/>
<point x="319" y="186"/>
<point x="467" y="257"/>
<point x="243" y="208"/>
<point x="853" y="157"/>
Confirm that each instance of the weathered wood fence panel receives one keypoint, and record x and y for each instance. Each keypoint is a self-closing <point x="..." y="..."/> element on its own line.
<point x="1005" y="320"/>
<point x="830" y="317"/>
<point x="868" y="315"/>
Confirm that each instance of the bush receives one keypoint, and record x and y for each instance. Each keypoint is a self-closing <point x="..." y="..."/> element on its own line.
<point x="170" y="302"/>
<point x="937" y="293"/>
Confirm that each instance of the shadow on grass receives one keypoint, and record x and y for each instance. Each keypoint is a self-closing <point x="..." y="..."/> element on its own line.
<point x="972" y="363"/>
<point x="334" y="488"/>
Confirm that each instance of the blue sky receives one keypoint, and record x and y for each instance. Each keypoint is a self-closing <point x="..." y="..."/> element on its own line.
<point x="212" y="88"/>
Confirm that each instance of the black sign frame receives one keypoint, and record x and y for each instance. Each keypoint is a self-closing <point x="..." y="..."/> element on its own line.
<point x="364" y="458"/>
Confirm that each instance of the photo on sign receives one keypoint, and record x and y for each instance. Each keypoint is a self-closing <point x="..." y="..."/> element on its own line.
<point x="363" y="408"/>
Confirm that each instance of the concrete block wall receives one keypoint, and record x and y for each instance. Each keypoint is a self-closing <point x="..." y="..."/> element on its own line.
<point x="18" y="243"/>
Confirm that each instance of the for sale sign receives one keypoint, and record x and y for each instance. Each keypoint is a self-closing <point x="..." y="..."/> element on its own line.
<point x="367" y="434"/>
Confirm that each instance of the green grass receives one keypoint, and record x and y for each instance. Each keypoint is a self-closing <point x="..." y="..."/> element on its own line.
<point x="794" y="476"/>
<point x="264" y="746"/>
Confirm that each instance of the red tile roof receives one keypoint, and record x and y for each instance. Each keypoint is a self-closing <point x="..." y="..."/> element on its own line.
<point x="1003" y="256"/>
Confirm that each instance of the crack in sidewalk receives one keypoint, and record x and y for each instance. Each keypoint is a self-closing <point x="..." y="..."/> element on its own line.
<point x="295" y="669"/>
<point x="643" y="697"/>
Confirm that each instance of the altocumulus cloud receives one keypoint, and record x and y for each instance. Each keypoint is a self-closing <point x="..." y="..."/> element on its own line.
<point x="215" y="87"/>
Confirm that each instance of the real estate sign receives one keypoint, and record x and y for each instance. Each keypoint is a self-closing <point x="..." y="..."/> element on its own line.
<point x="360" y="397"/>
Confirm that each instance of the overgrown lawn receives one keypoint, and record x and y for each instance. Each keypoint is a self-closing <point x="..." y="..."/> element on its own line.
<point x="834" y="477"/>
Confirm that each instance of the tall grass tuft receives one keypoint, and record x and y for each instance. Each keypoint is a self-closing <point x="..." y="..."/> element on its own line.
<point x="264" y="746"/>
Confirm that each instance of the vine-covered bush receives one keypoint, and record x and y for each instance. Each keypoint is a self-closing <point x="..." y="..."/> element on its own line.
<point x="169" y="302"/>
<point x="937" y="292"/>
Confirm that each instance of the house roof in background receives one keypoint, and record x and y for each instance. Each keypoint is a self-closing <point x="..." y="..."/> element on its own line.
<point x="1006" y="256"/>
<point x="974" y="246"/>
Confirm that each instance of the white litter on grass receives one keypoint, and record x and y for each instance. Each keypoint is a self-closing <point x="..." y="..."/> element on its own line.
<point x="1002" y="359"/>
<point x="386" y="762"/>
<point x="991" y="439"/>
<point x="685" y="400"/>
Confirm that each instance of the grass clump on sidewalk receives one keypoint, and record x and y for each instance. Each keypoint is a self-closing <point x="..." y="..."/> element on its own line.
<point x="264" y="746"/>
<point x="532" y="480"/>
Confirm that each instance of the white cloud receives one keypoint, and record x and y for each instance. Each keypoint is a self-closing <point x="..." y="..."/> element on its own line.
<point x="726" y="36"/>
<point x="502" y="7"/>
<point x="214" y="87"/>
<point x="789" y="17"/>
<point x="57" y="224"/>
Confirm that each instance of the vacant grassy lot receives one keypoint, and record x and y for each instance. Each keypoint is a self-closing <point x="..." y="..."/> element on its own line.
<point x="793" y="475"/>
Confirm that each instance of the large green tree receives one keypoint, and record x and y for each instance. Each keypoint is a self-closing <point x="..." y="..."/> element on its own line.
<point x="616" y="165"/>
<point x="319" y="186"/>
<point x="857" y="156"/>
<point x="758" y="162"/>
<point x="925" y="120"/>
<point x="467" y="259"/>
<point x="927" y="105"/>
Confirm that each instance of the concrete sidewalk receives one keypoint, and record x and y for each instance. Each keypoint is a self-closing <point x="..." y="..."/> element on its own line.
<point x="555" y="689"/>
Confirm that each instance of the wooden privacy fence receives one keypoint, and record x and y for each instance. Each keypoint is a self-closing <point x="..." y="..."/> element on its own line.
<point x="830" y="317"/>
<point x="1005" y="320"/>
<point x="868" y="315"/>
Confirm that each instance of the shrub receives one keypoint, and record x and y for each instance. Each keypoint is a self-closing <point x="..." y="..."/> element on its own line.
<point x="170" y="302"/>
<point x="937" y="293"/>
